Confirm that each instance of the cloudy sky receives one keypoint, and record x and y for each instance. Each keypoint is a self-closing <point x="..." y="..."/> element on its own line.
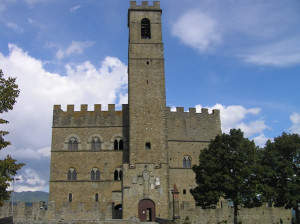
<point x="239" y="56"/>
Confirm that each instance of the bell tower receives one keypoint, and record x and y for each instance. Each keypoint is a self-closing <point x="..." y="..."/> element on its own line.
<point x="145" y="183"/>
<point x="146" y="84"/>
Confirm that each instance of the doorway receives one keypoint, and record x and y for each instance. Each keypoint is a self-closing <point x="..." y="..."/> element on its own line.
<point x="146" y="210"/>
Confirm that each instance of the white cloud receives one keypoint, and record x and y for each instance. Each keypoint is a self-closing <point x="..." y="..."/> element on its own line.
<point x="29" y="180"/>
<point x="75" y="47"/>
<point x="260" y="140"/>
<point x="15" y="27"/>
<point x="235" y="116"/>
<point x="40" y="90"/>
<point x="260" y="32"/>
<point x="75" y="8"/>
<point x="295" y="119"/>
<point x="30" y="120"/>
<point x="198" y="30"/>
<point x="282" y="53"/>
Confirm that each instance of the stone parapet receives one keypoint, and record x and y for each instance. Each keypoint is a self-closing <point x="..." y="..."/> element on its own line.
<point x="85" y="118"/>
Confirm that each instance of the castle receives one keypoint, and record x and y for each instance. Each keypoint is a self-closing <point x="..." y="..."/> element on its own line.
<point x="134" y="164"/>
<point x="129" y="161"/>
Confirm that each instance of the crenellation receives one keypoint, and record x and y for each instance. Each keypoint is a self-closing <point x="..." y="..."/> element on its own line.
<point x="83" y="107"/>
<point x="97" y="117"/>
<point x="204" y="110"/>
<point x="111" y="107"/>
<point x="70" y="108"/>
<point x="180" y="109"/>
<point x="144" y="5"/>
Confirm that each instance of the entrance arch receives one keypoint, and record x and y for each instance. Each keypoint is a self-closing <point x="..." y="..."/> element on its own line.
<point x="146" y="210"/>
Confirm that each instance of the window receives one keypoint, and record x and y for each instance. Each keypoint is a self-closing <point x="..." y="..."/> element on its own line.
<point x="148" y="145"/>
<point x="118" y="174"/>
<point x="70" y="197"/>
<point x="118" y="144"/>
<point x="72" y="174"/>
<point x="184" y="191"/>
<point x="145" y="29"/>
<point x="73" y="144"/>
<point x="95" y="174"/>
<point x="186" y="162"/>
<point x="96" y="197"/>
<point x="96" y="144"/>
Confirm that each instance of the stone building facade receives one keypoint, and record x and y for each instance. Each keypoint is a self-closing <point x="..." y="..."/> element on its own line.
<point x="127" y="162"/>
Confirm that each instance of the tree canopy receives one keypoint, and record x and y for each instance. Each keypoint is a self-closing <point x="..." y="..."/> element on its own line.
<point x="281" y="165"/>
<point x="227" y="169"/>
<point x="8" y="167"/>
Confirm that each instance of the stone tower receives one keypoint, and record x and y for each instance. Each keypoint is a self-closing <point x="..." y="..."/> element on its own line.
<point x="147" y="115"/>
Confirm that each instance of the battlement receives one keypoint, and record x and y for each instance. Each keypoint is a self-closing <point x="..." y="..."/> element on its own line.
<point x="84" y="108"/>
<point x="84" y="117"/>
<point x="145" y="5"/>
<point x="204" y="111"/>
<point x="193" y="126"/>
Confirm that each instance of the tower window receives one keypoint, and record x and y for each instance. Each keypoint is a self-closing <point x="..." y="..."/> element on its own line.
<point x="70" y="197"/>
<point x="96" y="197"/>
<point x="118" y="144"/>
<point x="96" y="144"/>
<point x="145" y="29"/>
<point x="95" y="174"/>
<point x="118" y="174"/>
<point x="184" y="191"/>
<point x="186" y="162"/>
<point x="72" y="174"/>
<point x="73" y="144"/>
<point x="148" y="145"/>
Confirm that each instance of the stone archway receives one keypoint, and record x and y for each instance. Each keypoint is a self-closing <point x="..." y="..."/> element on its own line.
<point x="146" y="210"/>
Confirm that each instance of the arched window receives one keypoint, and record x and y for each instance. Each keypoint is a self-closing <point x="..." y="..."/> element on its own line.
<point x="73" y="144"/>
<point x="95" y="174"/>
<point x="120" y="174"/>
<point x="96" y="144"/>
<point x="69" y="175"/>
<point x="116" y="144"/>
<point x="72" y="174"/>
<point x="96" y="197"/>
<point x="145" y="29"/>
<point x="186" y="162"/>
<point x="70" y="197"/>
<point x="121" y="144"/>
<point x="116" y="175"/>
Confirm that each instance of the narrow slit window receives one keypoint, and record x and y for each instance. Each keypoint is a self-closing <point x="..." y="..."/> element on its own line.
<point x="92" y="175"/>
<point x="96" y="197"/>
<point x="145" y="29"/>
<point x="70" y="197"/>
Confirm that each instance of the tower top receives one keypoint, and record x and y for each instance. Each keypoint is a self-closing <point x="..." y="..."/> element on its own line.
<point x="144" y="6"/>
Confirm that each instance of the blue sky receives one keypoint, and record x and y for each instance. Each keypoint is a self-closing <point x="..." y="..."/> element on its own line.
<point x="242" y="57"/>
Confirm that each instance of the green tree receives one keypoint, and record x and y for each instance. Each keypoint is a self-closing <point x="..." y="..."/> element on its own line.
<point x="8" y="167"/>
<point x="281" y="177"/>
<point x="227" y="169"/>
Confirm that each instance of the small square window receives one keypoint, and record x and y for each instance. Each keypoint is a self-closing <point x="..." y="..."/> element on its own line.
<point x="148" y="145"/>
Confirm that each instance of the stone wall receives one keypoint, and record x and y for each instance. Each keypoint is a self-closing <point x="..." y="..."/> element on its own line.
<point x="260" y="215"/>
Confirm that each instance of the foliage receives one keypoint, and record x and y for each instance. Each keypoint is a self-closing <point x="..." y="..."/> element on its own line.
<point x="281" y="177"/>
<point x="8" y="167"/>
<point x="227" y="169"/>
